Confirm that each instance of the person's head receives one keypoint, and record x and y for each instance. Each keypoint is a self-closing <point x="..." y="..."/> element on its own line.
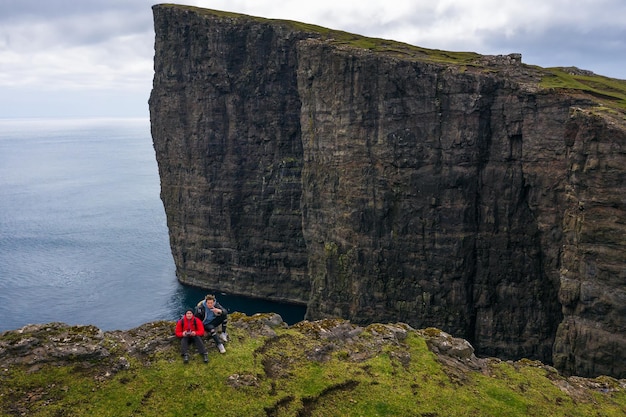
<point x="189" y="314"/>
<point x="210" y="300"/>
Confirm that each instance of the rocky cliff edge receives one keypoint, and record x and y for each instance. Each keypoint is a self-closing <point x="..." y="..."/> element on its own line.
<point x="54" y="366"/>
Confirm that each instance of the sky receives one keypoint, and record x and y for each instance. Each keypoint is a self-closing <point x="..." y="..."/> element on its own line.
<point x="93" y="58"/>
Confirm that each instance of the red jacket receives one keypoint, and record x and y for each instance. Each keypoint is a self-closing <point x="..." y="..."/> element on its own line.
<point x="185" y="325"/>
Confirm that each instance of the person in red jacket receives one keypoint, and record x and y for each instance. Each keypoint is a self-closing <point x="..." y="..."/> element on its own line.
<point x="190" y="329"/>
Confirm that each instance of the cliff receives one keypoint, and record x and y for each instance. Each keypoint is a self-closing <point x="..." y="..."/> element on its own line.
<point x="378" y="181"/>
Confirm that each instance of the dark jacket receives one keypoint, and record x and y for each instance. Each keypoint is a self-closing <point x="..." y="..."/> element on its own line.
<point x="201" y="311"/>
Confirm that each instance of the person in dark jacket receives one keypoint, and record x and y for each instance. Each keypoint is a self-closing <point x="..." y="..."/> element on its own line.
<point x="213" y="314"/>
<point x="190" y="329"/>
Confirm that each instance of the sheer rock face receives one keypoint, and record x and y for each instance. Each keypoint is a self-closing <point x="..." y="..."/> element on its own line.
<point x="376" y="188"/>
<point x="225" y="117"/>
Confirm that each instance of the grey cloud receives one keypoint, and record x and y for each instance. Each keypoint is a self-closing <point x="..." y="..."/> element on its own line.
<point x="64" y="22"/>
<point x="18" y="10"/>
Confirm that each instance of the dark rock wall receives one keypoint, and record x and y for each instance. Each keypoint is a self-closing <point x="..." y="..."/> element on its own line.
<point x="382" y="189"/>
<point x="591" y="339"/>
<point x="225" y="118"/>
<point x="417" y="202"/>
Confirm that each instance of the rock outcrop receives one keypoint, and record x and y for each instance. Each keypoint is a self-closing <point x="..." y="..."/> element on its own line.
<point x="60" y="344"/>
<point x="378" y="182"/>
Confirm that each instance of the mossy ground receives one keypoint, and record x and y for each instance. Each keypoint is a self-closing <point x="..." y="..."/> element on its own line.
<point x="276" y="376"/>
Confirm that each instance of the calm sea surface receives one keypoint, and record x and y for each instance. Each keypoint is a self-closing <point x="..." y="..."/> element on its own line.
<point x="83" y="238"/>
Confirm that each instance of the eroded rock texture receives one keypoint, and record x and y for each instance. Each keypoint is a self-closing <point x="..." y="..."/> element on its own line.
<point x="378" y="187"/>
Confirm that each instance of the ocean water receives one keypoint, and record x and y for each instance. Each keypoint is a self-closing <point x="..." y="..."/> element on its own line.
<point x="83" y="237"/>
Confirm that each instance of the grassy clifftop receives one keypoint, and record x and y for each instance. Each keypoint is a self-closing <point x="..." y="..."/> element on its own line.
<point x="610" y="93"/>
<point x="323" y="368"/>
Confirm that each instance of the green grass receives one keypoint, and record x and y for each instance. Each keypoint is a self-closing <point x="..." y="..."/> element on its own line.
<point x="609" y="93"/>
<point x="361" y="378"/>
<point x="338" y="37"/>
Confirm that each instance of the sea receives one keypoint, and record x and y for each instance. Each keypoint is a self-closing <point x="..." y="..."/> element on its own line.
<point x="83" y="235"/>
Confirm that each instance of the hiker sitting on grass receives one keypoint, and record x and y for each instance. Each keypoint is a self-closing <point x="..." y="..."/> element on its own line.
<point x="190" y="329"/>
<point x="212" y="315"/>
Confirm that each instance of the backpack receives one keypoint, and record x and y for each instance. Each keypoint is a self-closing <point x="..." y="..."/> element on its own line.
<point x="194" y="323"/>
<point x="200" y="313"/>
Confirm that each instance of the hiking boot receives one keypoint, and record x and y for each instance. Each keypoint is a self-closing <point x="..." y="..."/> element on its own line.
<point x="220" y="347"/>
<point x="205" y="357"/>
<point x="185" y="358"/>
<point x="224" y="337"/>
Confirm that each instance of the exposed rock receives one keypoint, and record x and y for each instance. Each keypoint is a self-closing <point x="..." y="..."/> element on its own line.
<point x="260" y="324"/>
<point x="53" y="342"/>
<point x="444" y="344"/>
<point x="578" y="71"/>
<point x="384" y="187"/>
<point x="83" y="346"/>
<point x="341" y="335"/>
<point x="246" y="380"/>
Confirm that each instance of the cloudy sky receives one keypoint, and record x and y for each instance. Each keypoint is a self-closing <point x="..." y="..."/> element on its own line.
<point x="93" y="58"/>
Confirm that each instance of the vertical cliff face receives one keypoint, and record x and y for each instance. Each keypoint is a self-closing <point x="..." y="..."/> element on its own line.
<point x="381" y="187"/>
<point x="225" y="118"/>
<point x="421" y="173"/>
<point x="592" y="268"/>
